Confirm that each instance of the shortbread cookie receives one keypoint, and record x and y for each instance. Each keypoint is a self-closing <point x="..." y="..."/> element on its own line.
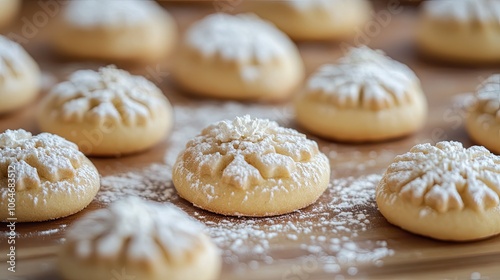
<point x="8" y="11"/>
<point x="461" y="31"/>
<point x="138" y="240"/>
<point x="367" y="96"/>
<point x="314" y="19"/>
<point x="43" y="177"/>
<point x="251" y="167"/>
<point x="108" y="112"/>
<point x="483" y="116"/>
<point x="19" y="76"/>
<point x="132" y="30"/>
<point x="445" y="192"/>
<point x="238" y="57"/>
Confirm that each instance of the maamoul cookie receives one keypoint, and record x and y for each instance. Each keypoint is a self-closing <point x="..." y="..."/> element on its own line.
<point x="251" y="167"/>
<point x="238" y="57"/>
<point x="132" y="30"/>
<point x="445" y="192"/>
<point x="19" y="76"/>
<point x="141" y="240"/>
<point x="461" y="31"/>
<point x="43" y="177"/>
<point x="107" y="112"/>
<point x="367" y="96"/>
<point x="8" y="10"/>
<point x="483" y="116"/>
<point x="314" y="19"/>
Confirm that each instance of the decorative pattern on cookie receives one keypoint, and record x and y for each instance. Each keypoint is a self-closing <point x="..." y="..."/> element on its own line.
<point x="115" y="31"/>
<point x="460" y="32"/>
<point x="443" y="191"/>
<point x="146" y="239"/>
<point x="251" y="167"/>
<point x="483" y="118"/>
<point x="365" y="79"/>
<point x="19" y="76"/>
<point x="366" y="96"/>
<point x="238" y="57"/>
<point x="46" y="175"/>
<point x="118" y="107"/>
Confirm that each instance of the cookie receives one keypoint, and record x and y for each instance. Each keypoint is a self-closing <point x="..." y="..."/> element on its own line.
<point x="138" y="240"/>
<point x="463" y="31"/>
<point x="43" y="177"/>
<point x="238" y="57"/>
<point x="444" y="192"/>
<point x="107" y="112"/>
<point x="8" y="11"/>
<point x="314" y="19"/>
<point x="251" y="167"/>
<point x="365" y="97"/>
<point x="117" y="31"/>
<point x="483" y="115"/>
<point x="19" y="76"/>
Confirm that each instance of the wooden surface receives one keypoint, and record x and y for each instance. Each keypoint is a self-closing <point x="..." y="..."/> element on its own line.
<point x="414" y="257"/>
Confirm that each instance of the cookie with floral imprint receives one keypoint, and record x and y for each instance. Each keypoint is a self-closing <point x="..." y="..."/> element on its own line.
<point x="443" y="191"/>
<point x="251" y="167"/>
<point x="43" y="177"/>
<point x="108" y="112"/>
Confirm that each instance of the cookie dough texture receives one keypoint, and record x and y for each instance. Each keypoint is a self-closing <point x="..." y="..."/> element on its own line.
<point x="463" y="31"/>
<point x="238" y="57"/>
<point x="483" y="115"/>
<point x="107" y="112"/>
<point x="19" y="76"/>
<point x="116" y="31"/>
<point x="365" y="97"/>
<point x="251" y="167"/>
<point x="141" y="240"/>
<point x="314" y="19"/>
<point x="50" y="178"/>
<point x="444" y="192"/>
<point x="8" y="11"/>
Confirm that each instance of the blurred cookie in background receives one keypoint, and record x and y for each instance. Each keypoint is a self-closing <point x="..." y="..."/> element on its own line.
<point x="238" y="57"/>
<point x="8" y="11"/>
<point x="313" y="19"/>
<point x="134" y="30"/>
<point x="464" y="32"/>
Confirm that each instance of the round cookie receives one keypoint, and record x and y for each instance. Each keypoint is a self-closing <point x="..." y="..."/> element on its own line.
<point x="8" y="11"/>
<point x="314" y="19"/>
<point x="108" y="112"/>
<point x="238" y="57"/>
<point x="445" y="192"/>
<point x="43" y="177"/>
<point x="251" y="167"/>
<point x="19" y="76"/>
<point x="464" y="31"/>
<point x="365" y="97"/>
<point x="132" y="30"/>
<point x="483" y="116"/>
<point x="138" y="240"/>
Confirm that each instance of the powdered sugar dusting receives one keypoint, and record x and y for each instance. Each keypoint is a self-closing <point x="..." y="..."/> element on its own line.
<point x="363" y="79"/>
<point x="487" y="98"/>
<point x="107" y="97"/>
<point x="465" y="10"/>
<point x="247" y="152"/>
<point x="240" y="38"/>
<point x="143" y="231"/>
<point x="110" y="13"/>
<point x="446" y="177"/>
